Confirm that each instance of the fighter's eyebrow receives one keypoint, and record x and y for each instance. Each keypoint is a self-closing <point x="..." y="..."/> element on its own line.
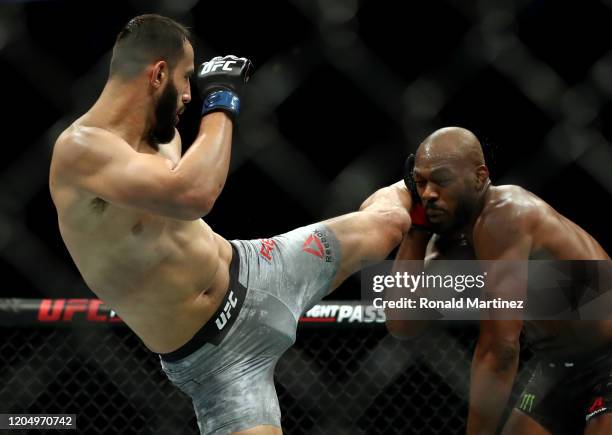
<point x="440" y="171"/>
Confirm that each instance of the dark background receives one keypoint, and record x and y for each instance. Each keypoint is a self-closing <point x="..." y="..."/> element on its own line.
<point x="343" y="91"/>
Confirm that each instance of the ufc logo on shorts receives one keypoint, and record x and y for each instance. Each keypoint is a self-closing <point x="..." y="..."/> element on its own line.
<point x="221" y="321"/>
<point x="214" y="66"/>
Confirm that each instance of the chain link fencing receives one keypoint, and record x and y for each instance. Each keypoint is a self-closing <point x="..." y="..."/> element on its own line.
<point x="340" y="377"/>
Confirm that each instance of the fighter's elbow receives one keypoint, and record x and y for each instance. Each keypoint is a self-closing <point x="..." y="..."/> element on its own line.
<point x="506" y="358"/>
<point x="195" y="204"/>
<point x="206" y="202"/>
<point x="502" y="355"/>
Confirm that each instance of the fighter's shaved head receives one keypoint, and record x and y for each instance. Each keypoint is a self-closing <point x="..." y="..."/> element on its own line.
<point x="450" y="176"/>
<point x="453" y="142"/>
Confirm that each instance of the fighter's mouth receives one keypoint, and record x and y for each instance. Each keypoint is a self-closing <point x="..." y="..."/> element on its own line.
<point x="431" y="212"/>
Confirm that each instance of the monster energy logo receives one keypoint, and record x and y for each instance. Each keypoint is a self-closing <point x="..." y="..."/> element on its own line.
<point x="527" y="402"/>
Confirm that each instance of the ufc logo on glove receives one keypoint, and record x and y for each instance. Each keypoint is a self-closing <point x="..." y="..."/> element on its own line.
<point x="215" y="65"/>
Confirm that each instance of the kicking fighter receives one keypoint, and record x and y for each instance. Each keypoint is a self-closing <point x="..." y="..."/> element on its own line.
<point x="220" y="313"/>
<point x="571" y="389"/>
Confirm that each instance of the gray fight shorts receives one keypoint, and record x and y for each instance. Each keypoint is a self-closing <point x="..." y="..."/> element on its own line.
<point x="228" y="367"/>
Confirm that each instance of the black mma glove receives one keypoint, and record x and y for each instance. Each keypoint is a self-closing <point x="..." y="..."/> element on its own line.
<point x="417" y="212"/>
<point x="220" y="81"/>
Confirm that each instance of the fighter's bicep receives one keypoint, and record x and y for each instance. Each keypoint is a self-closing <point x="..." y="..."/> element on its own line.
<point x="140" y="179"/>
<point x="504" y="240"/>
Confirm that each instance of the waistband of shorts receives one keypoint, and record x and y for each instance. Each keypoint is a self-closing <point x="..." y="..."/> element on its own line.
<point x="215" y="330"/>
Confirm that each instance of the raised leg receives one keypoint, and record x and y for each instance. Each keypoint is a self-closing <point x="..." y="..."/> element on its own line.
<point x="369" y="235"/>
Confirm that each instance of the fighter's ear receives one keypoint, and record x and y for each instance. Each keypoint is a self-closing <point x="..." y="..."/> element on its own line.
<point x="482" y="176"/>
<point x="158" y="73"/>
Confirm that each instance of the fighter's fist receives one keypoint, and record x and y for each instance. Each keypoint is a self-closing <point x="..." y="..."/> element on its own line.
<point x="220" y="80"/>
<point x="409" y="181"/>
<point x="417" y="212"/>
<point x="228" y="73"/>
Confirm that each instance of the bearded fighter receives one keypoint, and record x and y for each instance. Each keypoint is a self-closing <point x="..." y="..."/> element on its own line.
<point x="219" y="313"/>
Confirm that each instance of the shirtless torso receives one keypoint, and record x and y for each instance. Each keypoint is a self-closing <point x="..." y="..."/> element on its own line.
<point x="165" y="277"/>
<point x="517" y="225"/>
<point x="130" y="204"/>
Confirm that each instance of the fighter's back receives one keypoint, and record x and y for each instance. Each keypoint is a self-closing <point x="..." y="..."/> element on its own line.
<point x="552" y="235"/>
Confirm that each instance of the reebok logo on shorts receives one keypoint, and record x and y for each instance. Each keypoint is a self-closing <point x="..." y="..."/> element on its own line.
<point x="267" y="245"/>
<point x="317" y="245"/>
<point x="596" y="408"/>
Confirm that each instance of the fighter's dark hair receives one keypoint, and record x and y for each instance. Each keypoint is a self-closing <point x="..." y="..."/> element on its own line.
<point x="146" y="39"/>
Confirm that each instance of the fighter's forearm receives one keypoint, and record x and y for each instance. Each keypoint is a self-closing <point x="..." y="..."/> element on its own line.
<point x="409" y="258"/>
<point x="492" y="376"/>
<point x="413" y="247"/>
<point x="205" y="165"/>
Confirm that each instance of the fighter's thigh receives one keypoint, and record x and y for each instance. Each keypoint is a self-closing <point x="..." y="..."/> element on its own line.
<point x="521" y="424"/>
<point x="365" y="237"/>
<point x="261" y="430"/>
<point x="600" y="425"/>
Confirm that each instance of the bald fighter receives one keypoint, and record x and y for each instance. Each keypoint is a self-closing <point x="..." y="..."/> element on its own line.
<point x="129" y="203"/>
<point x="571" y="389"/>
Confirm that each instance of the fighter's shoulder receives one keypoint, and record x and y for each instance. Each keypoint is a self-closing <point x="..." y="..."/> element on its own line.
<point x="83" y="138"/>
<point x="512" y="207"/>
<point x="70" y="160"/>
<point x="79" y="146"/>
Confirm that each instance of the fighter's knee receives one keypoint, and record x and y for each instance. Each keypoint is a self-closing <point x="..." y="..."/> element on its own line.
<point x="397" y="222"/>
<point x="401" y="220"/>
<point x="391" y="224"/>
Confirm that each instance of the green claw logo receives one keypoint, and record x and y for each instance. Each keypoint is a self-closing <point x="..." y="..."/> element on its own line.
<point x="527" y="402"/>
